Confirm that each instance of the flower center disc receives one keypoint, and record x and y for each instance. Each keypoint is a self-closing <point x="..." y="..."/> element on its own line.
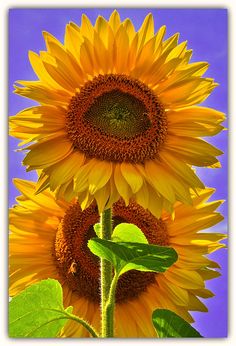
<point x="116" y="118"/>
<point x="80" y="269"/>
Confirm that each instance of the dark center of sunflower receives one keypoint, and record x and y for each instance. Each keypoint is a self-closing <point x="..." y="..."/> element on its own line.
<point x="118" y="114"/>
<point x="80" y="269"/>
<point x="116" y="118"/>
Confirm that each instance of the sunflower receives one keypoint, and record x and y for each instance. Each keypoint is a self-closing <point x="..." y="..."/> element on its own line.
<point x="117" y="115"/>
<point x="49" y="239"/>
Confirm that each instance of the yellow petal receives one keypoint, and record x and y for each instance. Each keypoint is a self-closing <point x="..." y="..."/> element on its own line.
<point x="181" y="169"/>
<point x="64" y="61"/>
<point x="114" y="195"/>
<point x="187" y="56"/>
<point x="65" y="170"/>
<point x="102" y="28"/>
<point x="204" y="293"/>
<point x="195" y="304"/>
<point x="202" y="115"/>
<point x="86" y="28"/>
<point x="61" y="76"/>
<point x="184" y="278"/>
<point x="170" y="43"/>
<point x="142" y="196"/>
<point x="101" y="54"/>
<point x="193" y="150"/>
<point x="195" y="129"/>
<point x="180" y="91"/>
<point x="186" y="224"/>
<point x="81" y="177"/>
<point x="102" y="197"/>
<point x="114" y="21"/>
<point x="87" y="60"/>
<point x="47" y="153"/>
<point x="38" y="91"/>
<point x="157" y="178"/>
<point x="184" y="72"/>
<point x="121" y="50"/>
<point x="40" y="70"/>
<point x="69" y="192"/>
<point x="177" y="294"/>
<point x="200" y="239"/>
<point x="177" y="52"/>
<point x="42" y="184"/>
<point x="155" y="202"/>
<point x="122" y="185"/>
<point x="99" y="176"/>
<point x="37" y="117"/>
<point x="179" y="187"/>
<point x="133" y="50"/>
<point x="27" y="188"/>
<point x="159" y="38"/>
<point x="161" y="70"/>
<point x="132" y="176"/>
<point x="129" y="28"/>
<point x="146" y="31"/>
<point x="208" y="274"/>
<point x="73" y="41"/>
<point x="195" y="93"/>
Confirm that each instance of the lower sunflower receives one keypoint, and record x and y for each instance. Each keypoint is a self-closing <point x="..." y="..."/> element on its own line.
<point x="49" y="239"/>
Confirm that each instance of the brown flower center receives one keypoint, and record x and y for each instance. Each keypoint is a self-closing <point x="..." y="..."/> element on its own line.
<point x="80" y="268"/>
<point x="116" y="118"/>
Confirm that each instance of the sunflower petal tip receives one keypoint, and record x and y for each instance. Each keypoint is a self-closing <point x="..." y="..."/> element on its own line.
<point x="114" y="15"/>
<point x="163" y="28"/>
<point x="45" y="34"/>
<point x="16" y="181"/>
<point x="115" y="12"/>
<point x="149" y="15"/>
<point x="84" y="16"/>
<point x="31" y="53"/>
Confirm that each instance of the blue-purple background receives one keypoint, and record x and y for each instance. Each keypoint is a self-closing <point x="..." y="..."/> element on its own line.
<point x="206" y="32"/>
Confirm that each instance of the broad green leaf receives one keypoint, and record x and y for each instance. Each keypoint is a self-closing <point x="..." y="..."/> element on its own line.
<point x="127" y="232"/>
<point x="129" y="256"/>
<point x="38" y="311"/>
<point x="97" y="229"/>
<point x="169" y="325"/>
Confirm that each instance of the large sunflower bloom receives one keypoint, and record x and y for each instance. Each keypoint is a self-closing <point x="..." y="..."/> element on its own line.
<point x="49" y="239"/>
<point x="117" y="115"/>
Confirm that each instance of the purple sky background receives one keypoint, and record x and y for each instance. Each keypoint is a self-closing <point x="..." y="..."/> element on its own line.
<point x="206" y="33"/>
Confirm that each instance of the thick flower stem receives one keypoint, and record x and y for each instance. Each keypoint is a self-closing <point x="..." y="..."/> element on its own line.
<point x="110" y="307"/>
<point x="106" y="275"/>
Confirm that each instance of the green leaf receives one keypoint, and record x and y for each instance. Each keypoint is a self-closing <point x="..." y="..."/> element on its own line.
<point x="127" y="232"/>
<point x="97" y="229"/>
<point x="129" y="256"/>
<point x="170" y="325"/>
<point x="38" y="311"/>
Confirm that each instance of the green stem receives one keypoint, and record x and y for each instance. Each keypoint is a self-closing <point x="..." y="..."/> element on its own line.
<point x="106" y="273"/>
<point x="85" y="324"/>
<point x="110" y="306"/>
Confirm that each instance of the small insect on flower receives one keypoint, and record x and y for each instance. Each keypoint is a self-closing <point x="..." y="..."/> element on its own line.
<point x="73" y="268"/>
